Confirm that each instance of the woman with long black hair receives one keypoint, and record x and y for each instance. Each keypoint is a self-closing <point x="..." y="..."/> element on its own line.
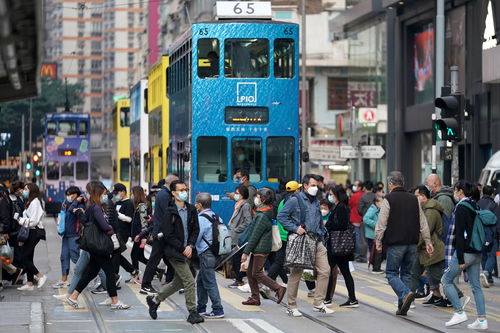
<point x="339" y="221"/>
<point x="96" y="214"/>
<point x="32" y="219"/>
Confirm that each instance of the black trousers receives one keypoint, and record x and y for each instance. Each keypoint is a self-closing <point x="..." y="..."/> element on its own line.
<point x="236" y="260"/>
<point x="138" y="255"/>
<point x="277" y="260"/>
<point x="96" y="263"/>
<point x="28" y="254"/>
<point x="154" y="259"/>
<point x="18" y="251"/>
<point x="343" y="263"/>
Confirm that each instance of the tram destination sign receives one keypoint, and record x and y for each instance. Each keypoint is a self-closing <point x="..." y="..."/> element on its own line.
<point x="246" y="115"/>
<point x="243" y="9"/>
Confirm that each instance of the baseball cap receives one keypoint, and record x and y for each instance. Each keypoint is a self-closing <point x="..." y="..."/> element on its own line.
<point x="118" y="188"/>
<point x="292" y="186"/>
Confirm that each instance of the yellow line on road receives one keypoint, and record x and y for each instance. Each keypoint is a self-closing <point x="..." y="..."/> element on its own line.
<point x="235" y="300"/>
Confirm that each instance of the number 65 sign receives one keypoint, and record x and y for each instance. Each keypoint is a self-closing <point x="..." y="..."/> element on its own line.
<point x="243" y="9"/>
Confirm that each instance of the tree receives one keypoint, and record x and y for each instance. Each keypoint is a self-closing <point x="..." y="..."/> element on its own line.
<point x="53" y="96"/>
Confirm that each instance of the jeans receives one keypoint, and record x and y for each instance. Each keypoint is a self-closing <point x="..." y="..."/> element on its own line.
<point x="183" y="278"/>
<point x="400" y="259"/>
<point x="80" y="268"/>
<point x="360" y="243"/>
<point x="488" y="261"/>
<point x="472" y="262"/>
<point x="70" y="251"/>
<point x="206" y="283"/>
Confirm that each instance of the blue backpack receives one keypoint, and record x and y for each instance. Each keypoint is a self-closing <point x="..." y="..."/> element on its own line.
<point x="482" y="237"/>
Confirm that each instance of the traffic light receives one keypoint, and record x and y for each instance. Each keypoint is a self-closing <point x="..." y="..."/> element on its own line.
<point x="28" y="166"/>
<point x="37" y="163"/>
<point x="450" y="124"/>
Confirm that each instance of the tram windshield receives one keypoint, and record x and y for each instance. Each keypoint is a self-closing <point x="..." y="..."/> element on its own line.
<point x="247" y="154"/>
<point x="212" y="159"/>
<point x="246" y="58"/>
<point x="280" y="157"/>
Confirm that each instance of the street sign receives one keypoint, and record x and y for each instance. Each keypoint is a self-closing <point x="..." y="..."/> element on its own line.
<point x="368" y="152"/>
<point x="324" y="153"/>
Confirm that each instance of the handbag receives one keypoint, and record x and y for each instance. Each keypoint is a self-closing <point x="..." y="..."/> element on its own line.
<point x="94" y="240"/>
<point x="343" y="242"/>
<point x="61" y="225"/>
<point x="300" y="251"/>
<point x="277" y="243"/>
<point x="40" y="233"/>
<point x="245" y="235"/>
<point x="23" y="234"/>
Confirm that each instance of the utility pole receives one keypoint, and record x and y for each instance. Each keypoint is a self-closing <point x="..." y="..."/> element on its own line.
<point x="31" y="128"/>
<point x="21" y="167"/>
<point x="305" y="143"/>
<point x="352" y="143"/>
<point x="440" y="28"/>
<point x="66" y="104"/>
<point x="454" y="90"/>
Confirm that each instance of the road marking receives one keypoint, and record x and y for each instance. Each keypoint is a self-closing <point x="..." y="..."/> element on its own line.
<point x="69" y="308"/>
<point x="268" y="328"/>
<point x="235" y="300"/>
<point x="164" y="307"/>
<point x="241" y="326"/>
<point x="303" y="296"/>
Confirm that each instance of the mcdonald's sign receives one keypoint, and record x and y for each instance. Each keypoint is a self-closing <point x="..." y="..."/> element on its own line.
<point x="49" y="70"/>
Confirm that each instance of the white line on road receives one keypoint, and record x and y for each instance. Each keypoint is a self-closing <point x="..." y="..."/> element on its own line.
<point x="268" y="328"/>
<point x="241" y="326"/>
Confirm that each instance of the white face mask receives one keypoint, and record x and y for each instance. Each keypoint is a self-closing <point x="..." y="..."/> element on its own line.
<point x="257" y="202"/>
<point x="355" y="188"/>
<point x="457" y="199"/>
<point x="324" y="212"/>
<point x="312" y="190"/>
<point x="69" y="198"/>
<point x="236" y="197"/>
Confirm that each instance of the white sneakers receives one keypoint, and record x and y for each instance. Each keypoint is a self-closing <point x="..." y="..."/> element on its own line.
<point x="458" y="318"/>
<point x="106" y="302"/>
<point x="294" y="312"/>
<point x="41" y="281"/>
<point x="245" y="288"/>
<point x="484" y="280"/>
<point x="26" y="287"/>
<point x="60" y="284"/>
<point x="478" y="325"/>
<point x="323" y="309"/>
<point x="464" y="301"/>
<point x="61" y="297"/>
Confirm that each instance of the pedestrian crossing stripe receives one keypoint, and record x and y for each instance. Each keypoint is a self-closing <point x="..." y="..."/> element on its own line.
<point x="235" y="300"/>
<point x="301" y="294"/>
<point x="164" y="307"/>
<point x="242" y="326"/>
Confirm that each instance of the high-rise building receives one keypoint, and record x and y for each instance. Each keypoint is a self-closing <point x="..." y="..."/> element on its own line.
<point x="101" y="44"/>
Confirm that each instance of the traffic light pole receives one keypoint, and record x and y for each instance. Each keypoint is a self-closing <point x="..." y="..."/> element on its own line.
<point x="454" y="162"/>
<point x="440" y="31"/>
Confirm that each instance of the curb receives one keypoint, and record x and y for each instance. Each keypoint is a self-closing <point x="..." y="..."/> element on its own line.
<point x="36" y="318"/>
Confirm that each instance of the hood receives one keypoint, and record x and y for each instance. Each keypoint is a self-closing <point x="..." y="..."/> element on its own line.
<point x="268" y="213"/>
<point x="446" y="190"/>
<point x="433" y="204"/>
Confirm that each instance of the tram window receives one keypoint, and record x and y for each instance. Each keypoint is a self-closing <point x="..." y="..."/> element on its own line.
<point x="208" y="58"/>
<point x="246" y="58"/>
<point x="247" y="154"/>
<point x="67" y="169"/>
<point x="124" y="117"/>
<point x="82" y="170"/>
<point x="83" y="129"/>
<point x="67" y="128"/>
<point x="52" y="170"/>
<point x="284" y="54"/>
<point x="124" y="169"/>
<point x="212" y="159"/>
<point x="280" y="158"/>
<point x="51" y="128"/>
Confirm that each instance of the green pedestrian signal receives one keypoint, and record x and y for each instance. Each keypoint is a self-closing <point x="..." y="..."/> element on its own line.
<point x="37" y="173"/>
<point x="28" y="166"/>
<point x="449" y="127"/>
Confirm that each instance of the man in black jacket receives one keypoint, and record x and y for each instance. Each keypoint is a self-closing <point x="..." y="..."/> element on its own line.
<point x="488" y="261"/>
<point x="162" y="203"/>
<point x="180" y="230"/>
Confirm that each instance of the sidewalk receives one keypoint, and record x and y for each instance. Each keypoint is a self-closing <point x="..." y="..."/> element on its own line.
<point x="20" y="317"/>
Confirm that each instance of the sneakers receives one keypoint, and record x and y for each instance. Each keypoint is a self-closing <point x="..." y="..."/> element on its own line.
<point x="120" y="306"/>
<point x="99" y="290"/>
<point x="251" y="301"/>
<point x="74" y="304"/>
<point x="458" y="318"/>
<point x="60" y="298"/>
<point x="280" y="293"/>
<point x="214" y="315"/>
<point x="26" y="287"/>
<point x="134" y="276"/>
<point x="41" y="281"/>
<point x="443" y="303"/>
<point x="310" y="293"/>
<point x="181" y="291"/>
<point x="148" y="290"/>
<point x="153" y="306"/>
<point x="407" y="300"/>
<point x="377" y="271"/>
<point x="195" y="318"/>
<point x="434" y="300"/>
<point x="106" y="302"/>
<point x="484" y="280"/>
<point x="479" y="325"/>
<point x="350" y="304"/>
<point x="235" y="284"/>
<point x="244" y="288"/>
<point x="60" y="284"/>
<point x="420" y="296"/>
<point x="327" y="302"/>
<point x="323" y="309"/>
<point x="265" y="293"/>
<point x="294" y="313"/>
<point x="464" y="301"/>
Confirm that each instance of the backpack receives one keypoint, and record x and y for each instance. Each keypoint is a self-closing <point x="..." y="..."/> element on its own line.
<point x="447" y="221"/>
<point x="481" y="236"/>
<point x="221" y="240"/>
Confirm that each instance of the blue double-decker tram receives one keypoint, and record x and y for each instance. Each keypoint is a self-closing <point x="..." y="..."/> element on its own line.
<point x="233" y="89"/>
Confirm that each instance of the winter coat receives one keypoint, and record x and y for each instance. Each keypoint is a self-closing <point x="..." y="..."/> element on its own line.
<point x="260" y="239"/>
<point x="432" y="210"/>
<point x="445" y="198"/>
<point x="370" y="221"/>
<point x="240" y="221"/>
<point x="139" y="221"/>
<point x="173" y="232"/>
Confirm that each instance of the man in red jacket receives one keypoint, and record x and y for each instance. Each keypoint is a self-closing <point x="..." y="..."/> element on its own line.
<point x="357" y="220"/>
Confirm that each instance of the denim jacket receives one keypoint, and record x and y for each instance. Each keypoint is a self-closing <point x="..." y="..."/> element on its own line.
<point x="290" y="215"/>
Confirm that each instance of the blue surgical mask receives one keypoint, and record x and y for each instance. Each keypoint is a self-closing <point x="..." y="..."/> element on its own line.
<point x="239" y="181"/>
<point x="183" y="196"/>
<point x="241" y="158"/>
<point x="237" y="197"/>
<point x="69" y="198"/>
<point x="153" y="204"/>
<point x="26" y="194"/>
<point x="117" y="197"/>
<point x="331" y="199"/>
<point x="257" y="202"/>
<point x="104" y="199"/>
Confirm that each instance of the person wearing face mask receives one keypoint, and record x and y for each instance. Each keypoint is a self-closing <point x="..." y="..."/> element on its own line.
<point x="70" y="251"/>
<point x="240" y="160"/>
<point x="357" y="220"/>
<point x="15" y="198"/>
<point x="180" y="229"/>
<point x="301" y="214"/>
<point x="125" y="212"/>
<point x="240" y="220"/>
<point x="370" y="221"/>
<point x="243" y="178"/>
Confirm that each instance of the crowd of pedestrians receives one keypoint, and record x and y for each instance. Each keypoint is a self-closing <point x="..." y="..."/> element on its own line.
<point x="427" y="235"/>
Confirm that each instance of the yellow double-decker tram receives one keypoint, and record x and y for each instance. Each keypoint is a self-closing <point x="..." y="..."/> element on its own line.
<point x="158" y="110"/>
<point x="121" y="140"/>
